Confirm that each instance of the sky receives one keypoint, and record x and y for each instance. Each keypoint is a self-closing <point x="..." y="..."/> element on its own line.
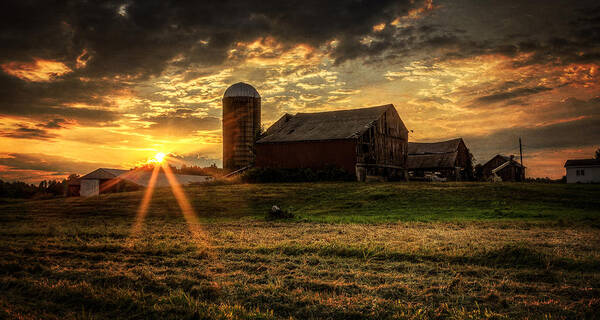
<point x="88" y="84"/>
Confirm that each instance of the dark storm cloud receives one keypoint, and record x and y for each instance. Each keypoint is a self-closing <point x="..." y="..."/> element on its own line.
<point x="43" y="162"/>
<point x="53" y="124"/>
<point x="111" y="44"/>
<point x="139" y="37"/>
<point x="26" y="132"/>
<point x="549" y="32"/>
<point x="512" y="94"/>
<point x="40" y="100"/>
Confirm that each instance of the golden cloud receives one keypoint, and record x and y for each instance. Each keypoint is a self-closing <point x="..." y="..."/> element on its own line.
<point x="39" y="70"/>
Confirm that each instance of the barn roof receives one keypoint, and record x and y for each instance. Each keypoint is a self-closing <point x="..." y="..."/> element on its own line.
<point x="104" y="174"/>
<point x="582" y="163"/>
<point x="434" y="147"/>
<point x="431" y="161"/>
<point x="142" y="177"/>
<point x="433" y="155"/>
<point x="513" y="162"/>
<point x="331" y="125"/>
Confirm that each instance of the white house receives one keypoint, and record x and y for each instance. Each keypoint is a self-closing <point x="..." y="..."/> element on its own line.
<point x="583" y="171"/>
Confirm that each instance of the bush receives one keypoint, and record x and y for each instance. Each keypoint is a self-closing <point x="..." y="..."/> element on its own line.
<point x="277" y="213"/>
<point x="330" y="173"/>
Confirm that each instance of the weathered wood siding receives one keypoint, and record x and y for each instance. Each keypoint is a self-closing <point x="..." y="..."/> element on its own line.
<point x="385" y="143"/>
<point x="465" y="162"/>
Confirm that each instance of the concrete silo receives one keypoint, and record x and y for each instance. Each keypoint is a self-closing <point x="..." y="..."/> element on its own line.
<point x="241" y="125"/>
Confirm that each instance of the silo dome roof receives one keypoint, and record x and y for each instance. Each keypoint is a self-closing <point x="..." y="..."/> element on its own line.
<point x="241" y="89"/>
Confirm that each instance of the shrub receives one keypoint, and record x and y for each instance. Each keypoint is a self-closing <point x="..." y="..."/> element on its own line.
<point x="277" y="213"/>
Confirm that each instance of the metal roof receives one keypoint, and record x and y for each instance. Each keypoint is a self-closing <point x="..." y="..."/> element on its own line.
<point x="241" y="89"/>
<point x="103" y="174"/>
<point x="434" y="147"/>
<point x="582" y="163"/>
<point x="142" y="177"/>
<point x="331" y="125"/>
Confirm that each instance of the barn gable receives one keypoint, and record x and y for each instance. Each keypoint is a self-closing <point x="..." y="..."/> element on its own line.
<point x="104" y="174"/>
<point x="434" y="147"/>
<point x="331" y="125"/>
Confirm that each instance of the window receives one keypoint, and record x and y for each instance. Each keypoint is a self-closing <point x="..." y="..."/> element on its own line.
<point x="577" y="172"/>
<point x="582" y="172"/>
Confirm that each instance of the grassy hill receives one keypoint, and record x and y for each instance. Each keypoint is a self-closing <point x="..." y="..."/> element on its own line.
<point x="353" y="250"/>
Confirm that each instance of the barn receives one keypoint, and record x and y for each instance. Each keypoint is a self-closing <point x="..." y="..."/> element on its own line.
<point x="105" y="180"/>
<point x="370" y="142"/>
<point x="446" y="159"/>
<point x="504" y="168"/>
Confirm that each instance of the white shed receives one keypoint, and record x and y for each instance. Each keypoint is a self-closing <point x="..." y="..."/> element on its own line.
<point x="105" y="180"/>
<point x="583" y="171"/>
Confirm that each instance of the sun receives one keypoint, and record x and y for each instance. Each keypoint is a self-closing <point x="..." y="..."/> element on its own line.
<point x="159" y="157"/>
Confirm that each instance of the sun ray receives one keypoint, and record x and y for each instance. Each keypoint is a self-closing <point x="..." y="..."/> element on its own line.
<point x="109" y="184"/>
<point x="141" y="214"/>
<point x="199" y="237"/>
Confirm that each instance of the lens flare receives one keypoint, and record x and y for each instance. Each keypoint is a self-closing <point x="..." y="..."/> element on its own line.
<point x="198" y="235"/>
<point x="111" y="183"/>
<point x="159" y="157"/>
<point x="141" y="214"/>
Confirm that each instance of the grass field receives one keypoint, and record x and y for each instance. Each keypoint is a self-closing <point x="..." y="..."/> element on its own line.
<point x="353" y="251"/>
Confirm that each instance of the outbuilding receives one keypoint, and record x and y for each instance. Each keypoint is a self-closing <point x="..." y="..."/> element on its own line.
<point x="370" y="142"/>
<point x="105" y="180"/>
<point x="445" y="159"/>
<point x="503" y="168"/>
<point x="583" y="171"/>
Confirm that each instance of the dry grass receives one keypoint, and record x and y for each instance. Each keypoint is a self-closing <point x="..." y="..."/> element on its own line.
<point x="82" y="262"/>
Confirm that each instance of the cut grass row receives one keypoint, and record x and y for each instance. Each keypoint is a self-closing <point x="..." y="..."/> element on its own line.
<point x="302" y="270"/>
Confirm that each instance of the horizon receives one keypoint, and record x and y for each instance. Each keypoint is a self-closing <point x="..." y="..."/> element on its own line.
<point x="87" y="85"/>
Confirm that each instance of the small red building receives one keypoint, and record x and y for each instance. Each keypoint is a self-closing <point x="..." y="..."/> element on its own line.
<point x="370" y="142"/>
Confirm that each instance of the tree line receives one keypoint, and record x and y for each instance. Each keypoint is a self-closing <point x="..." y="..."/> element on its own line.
<point x="45" y="189"/>
<point x="212" y="171"/>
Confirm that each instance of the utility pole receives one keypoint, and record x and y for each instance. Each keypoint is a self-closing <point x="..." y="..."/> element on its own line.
<point x="521" y="154"/>
<point x="521" y="150"/>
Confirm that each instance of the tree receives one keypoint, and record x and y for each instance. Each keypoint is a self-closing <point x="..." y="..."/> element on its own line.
<point x="597" y="154"/>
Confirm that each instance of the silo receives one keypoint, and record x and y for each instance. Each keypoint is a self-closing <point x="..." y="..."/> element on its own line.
<point x="241" y="125"/>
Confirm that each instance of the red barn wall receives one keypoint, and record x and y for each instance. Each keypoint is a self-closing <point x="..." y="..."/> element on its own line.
<point x="307" y="154"/>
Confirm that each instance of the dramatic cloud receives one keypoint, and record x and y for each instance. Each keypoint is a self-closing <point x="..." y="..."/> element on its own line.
<point x="512" y="94"/>
<point x="35" y="167"/>
<point x="36" y="71"/>
<point x="25" y="132"/>
<point x="131" y="78"/>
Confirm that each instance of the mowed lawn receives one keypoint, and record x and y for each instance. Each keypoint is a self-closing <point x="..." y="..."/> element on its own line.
<point x="353" y="251"/>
